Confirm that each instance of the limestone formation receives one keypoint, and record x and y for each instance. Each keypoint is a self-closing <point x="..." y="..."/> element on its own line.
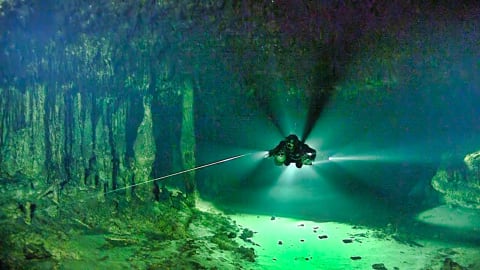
<point x="460" y="185"/>
<point x="144" y="151"/>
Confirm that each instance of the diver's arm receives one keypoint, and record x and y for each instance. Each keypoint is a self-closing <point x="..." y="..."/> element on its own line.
<point x="277" y="149"/>
<point x="307" y="154"/>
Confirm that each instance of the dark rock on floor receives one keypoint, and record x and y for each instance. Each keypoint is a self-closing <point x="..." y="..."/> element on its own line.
<point x="449" y="264"/>
<point x="246" y="233"/>
<point x="35" y="251"/>
<point x="247" y="253"/>
<point x="379" y="266"/>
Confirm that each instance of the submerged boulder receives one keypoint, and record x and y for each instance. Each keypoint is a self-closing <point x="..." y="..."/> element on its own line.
<point x="449" y="264"/>
<point x="460" y="185"/>
<point x="472" y="161"/>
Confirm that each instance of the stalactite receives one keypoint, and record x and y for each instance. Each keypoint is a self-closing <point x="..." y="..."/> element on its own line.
<point x="187" y="141"/>
<point x="48" y="107"/>
<point x="56" y="137"/>
<point x="102" y="149"/>
<point x="114" y="155"/>
<point x="118" y="142"/>
<point x="166" y="115"/>
<point x="134" y="116"/>
<point x="144" y="152"/>
<point x="88" y="141"/>
<point x="68" y="126"/>
<point x="37" y="125"/>
<point x="79" y="164"/>
<point x="3" y="107"/>
<point x="23" y="141"/>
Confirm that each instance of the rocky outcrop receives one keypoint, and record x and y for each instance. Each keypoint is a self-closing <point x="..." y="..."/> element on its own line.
<point x="460" y="185"/>
<point x="147" y="235"/>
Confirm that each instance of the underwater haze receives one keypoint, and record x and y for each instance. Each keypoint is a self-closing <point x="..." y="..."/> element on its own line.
<point x="144" y="134"/>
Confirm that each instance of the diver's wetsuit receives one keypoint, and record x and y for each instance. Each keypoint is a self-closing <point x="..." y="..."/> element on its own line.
<point x="292" y="150"/>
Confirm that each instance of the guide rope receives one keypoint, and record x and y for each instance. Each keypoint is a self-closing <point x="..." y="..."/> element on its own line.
<point x="179" y="173"/>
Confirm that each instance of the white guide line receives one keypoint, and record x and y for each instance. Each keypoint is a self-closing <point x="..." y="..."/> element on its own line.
<point x="180" y="172"/>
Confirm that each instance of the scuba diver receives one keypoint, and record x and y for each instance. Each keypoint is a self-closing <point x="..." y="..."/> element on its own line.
<point x="292" y="150"/>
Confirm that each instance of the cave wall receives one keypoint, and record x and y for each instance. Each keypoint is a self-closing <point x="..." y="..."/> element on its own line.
<point x="100" y="95"/>
<point x="55" y="136"/>
<point x="75" y="118"/>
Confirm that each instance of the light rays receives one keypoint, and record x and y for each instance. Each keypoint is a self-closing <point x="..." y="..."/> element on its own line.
<point x="294" y="185"/>
<point x="289" y="110"/>
<point x="411" y="153"/>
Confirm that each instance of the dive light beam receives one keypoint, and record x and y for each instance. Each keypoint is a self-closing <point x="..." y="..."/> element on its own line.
<point x="411" y="154"/>
<point x="357" y="158"/>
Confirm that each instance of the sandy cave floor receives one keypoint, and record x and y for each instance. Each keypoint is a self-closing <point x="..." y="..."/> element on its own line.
<point x="279" y="243"/>
<point x="286" y="243"/>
